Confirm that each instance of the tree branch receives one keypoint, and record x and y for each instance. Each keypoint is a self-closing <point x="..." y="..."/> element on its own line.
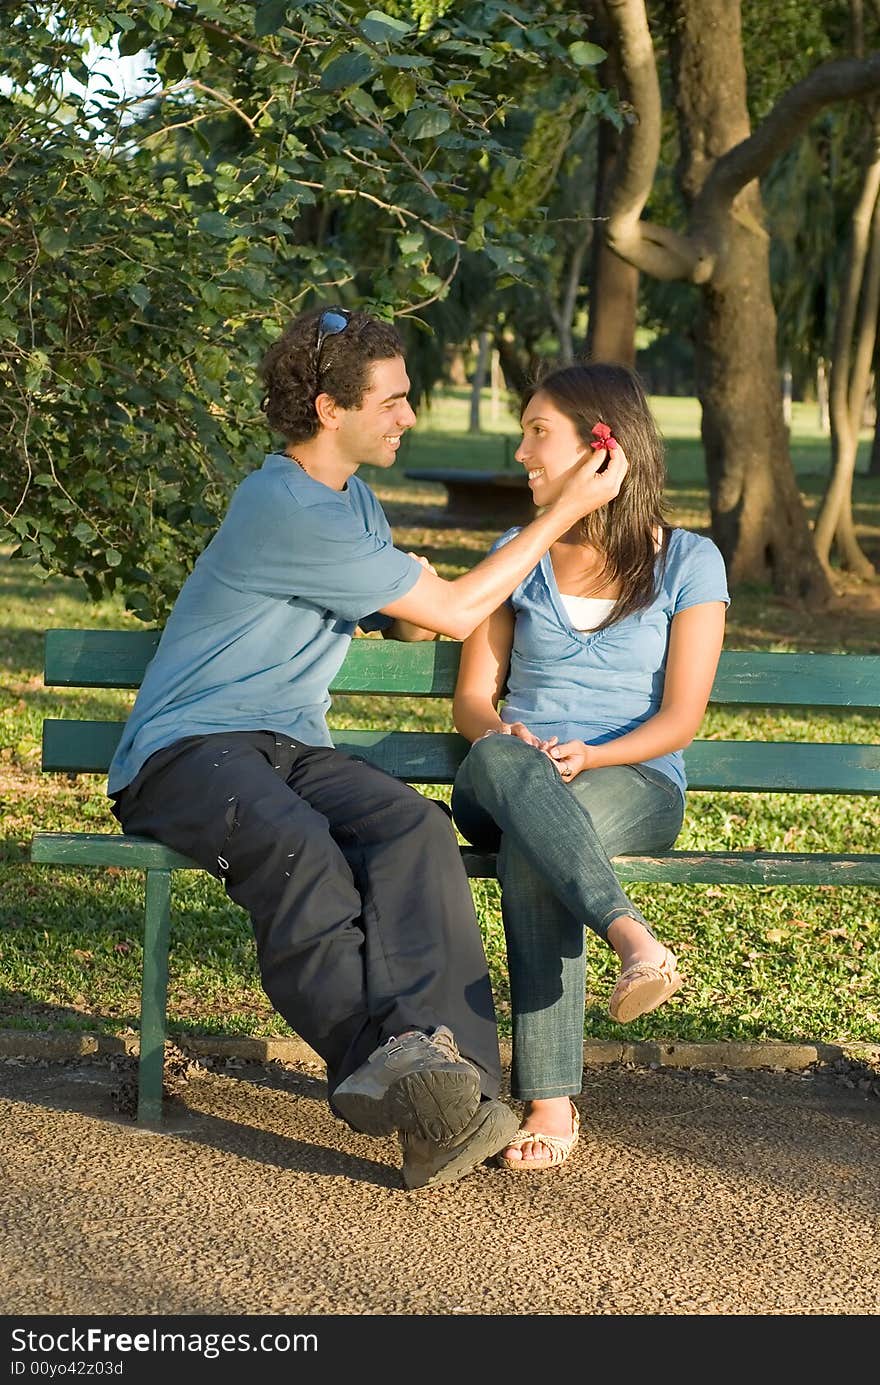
<point x="655" y="250"/>
<point x="841" y="79"/>
<point x="667" y="254"/>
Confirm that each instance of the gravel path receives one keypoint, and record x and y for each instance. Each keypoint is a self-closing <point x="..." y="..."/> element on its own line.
<point x="691" y="1193"/>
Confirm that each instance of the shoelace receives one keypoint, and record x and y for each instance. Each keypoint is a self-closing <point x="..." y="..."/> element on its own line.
<point x="441" y="1038"/>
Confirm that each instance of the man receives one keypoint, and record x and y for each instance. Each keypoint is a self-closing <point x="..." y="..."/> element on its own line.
<point x="364" y="923"/>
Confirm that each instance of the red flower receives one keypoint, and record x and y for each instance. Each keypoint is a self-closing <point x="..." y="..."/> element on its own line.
<point x="603" y="437"/>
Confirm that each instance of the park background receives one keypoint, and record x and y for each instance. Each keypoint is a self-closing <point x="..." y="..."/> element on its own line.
<point x="515" y="185"/>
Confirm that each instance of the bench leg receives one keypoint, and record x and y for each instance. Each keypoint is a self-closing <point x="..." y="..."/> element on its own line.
<point x="154" y="992"/>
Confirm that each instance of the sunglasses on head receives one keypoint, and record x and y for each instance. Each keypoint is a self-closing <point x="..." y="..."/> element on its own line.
<point x="331" y="322"/>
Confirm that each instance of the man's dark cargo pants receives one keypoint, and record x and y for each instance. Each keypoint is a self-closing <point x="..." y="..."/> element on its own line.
<point x="354" y="884"/>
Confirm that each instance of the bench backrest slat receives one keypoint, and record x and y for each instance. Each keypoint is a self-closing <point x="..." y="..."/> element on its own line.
<point x="118" y="658"/>
<point x="430" y="757"/>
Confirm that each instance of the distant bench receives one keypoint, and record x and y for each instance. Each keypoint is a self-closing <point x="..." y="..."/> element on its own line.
<point x="490" y="499"/>
<point x="117" y="659"/>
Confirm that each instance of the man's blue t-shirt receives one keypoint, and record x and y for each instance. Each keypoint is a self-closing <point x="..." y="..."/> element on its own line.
<point x="264" y="620"/>
<point x="596" y="686"/>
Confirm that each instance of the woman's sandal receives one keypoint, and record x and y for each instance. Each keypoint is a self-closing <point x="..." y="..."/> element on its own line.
<point x="560" y="1147"/>
<point x="642" y="987"/>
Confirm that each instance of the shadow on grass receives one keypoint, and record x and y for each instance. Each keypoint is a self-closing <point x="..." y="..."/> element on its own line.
<point x="90" y="704"/>
<point x="28" y="1015"/>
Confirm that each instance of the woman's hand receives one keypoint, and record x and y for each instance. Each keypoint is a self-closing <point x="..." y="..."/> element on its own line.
<point x="518" y="729"/>
<point x="570" y="758"/>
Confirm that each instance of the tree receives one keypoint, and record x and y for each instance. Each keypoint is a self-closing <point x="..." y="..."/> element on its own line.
<point x="151" y="248"/>
<point x="614" y="282"/>
<point x="758" y="518"/>
<point x="855" y="338"/>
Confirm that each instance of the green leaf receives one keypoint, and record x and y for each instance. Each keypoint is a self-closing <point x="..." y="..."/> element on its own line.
<point x="381" y="28"/>
<point x="348" y="70"/>
<point x="270" y="16"/>
<point x="140" y="294"/>
<point x="363" y="103"/>
<point x="84" y="532"/>
<point x="483" y="209"/>
<point x="426" y="122"/>
<point x="54" y="240"/>
<point x="403" y="60"/>
<point x="133" y="42"/>
<point x="401" y="87"/>
<point x="586" y="54"/>
<point x="113" y="557"/>
<point x="217" y="225"/>
<point x="97" y="191"/>
<point x="412" y="240"/>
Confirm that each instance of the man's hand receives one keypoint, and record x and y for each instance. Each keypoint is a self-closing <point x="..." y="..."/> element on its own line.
<point x="587" y="488"/>
<point x="420" y="558"/>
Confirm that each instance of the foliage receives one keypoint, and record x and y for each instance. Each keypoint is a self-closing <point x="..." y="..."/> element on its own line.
<point x="150" y="248"/>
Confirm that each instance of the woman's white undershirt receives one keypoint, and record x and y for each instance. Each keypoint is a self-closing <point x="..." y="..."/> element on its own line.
<point x="587" y="612"/>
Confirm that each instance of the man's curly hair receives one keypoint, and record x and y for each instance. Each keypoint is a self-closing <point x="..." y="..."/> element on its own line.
<point x="294" y="373"/>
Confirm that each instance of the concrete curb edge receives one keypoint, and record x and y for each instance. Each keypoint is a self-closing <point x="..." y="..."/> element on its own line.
<point x="713" y="1055"/>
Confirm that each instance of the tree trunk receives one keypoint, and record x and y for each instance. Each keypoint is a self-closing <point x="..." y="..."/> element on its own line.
<point x="614" y="283"/>
<point x="478" y="382"/>
<point x="515" y="372"/>
<point x="758" y="518"/>
<point x="495" y="379"/>
<point x="565" y="315"/>
<point x="854" y="341"/>
<point x="457" y="371"/>
<point x="874" y="463"/>
<point x="563" y="311"/>
<point x="822" y="396"/>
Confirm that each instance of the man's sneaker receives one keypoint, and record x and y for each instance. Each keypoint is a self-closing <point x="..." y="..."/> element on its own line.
<point x="419" y="1084"/>
<point x="426" y="1164"/>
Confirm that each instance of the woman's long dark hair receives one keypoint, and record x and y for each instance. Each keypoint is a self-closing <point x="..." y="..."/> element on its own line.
<point x="624" y="531"/>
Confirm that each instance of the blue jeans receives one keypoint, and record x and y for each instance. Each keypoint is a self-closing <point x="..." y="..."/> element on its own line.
<point x="554" y="842"/>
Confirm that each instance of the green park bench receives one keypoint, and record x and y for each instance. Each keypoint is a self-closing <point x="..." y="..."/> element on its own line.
<point x="117" y="659"/>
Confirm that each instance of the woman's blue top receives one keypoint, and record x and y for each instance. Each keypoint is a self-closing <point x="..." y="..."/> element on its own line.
<point x="595" y="686"/>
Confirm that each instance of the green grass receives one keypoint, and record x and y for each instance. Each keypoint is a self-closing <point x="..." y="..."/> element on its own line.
<point x="789" y="964"/>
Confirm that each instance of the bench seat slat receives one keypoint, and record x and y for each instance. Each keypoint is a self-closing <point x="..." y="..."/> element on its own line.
<point x="431" y="757"/>
<point x="675" y="867"/>
<point x="106" y="849"/>
<point x="118" y="658"/>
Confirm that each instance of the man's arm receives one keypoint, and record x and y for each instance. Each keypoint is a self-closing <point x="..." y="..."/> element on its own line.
<point x="456" y="608"/>
<point x="404" y="629"/>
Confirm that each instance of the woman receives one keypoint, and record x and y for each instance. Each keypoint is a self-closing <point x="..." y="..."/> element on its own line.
<point x="607" y="652"/>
